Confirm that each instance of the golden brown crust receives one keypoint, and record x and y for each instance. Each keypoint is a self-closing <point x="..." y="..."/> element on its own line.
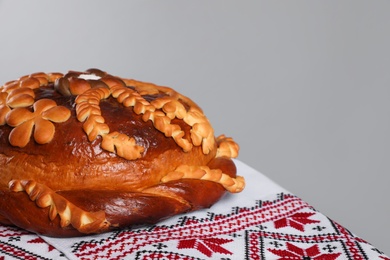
<point x="68" y="213"/>
<point x="90" y="133"/>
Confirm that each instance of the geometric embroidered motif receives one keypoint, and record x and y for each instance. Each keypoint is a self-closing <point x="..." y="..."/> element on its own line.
<point x="19" y="244"/>
<point x="283" y="228"/>
<point x="278" y="227"/>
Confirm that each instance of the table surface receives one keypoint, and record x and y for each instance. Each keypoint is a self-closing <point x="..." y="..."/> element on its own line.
<point x="265" y="221"/>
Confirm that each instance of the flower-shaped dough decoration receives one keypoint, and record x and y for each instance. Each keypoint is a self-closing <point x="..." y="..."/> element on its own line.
<point x="20" y="93"/>
<point x="32" y="116"/>
<point x="41" y="120"/>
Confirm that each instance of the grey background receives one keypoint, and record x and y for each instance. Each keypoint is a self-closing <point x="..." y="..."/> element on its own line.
<point x="302" y="86"/>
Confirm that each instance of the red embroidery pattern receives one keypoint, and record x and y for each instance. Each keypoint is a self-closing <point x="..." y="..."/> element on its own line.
<point x="19" y="244"/>
<point x="163" y="256"/>
<point x="340" y="239"/>
<point x="294" y="252"/>
<point x="297" y="221"/>
<point x="206" y="246"/>
<point x="39" y="240"/>
<point x="284" y="227"/>
<point x="202" y="229"/>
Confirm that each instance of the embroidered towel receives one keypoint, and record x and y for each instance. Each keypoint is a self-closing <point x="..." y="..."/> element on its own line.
<point x="263" y="222"/>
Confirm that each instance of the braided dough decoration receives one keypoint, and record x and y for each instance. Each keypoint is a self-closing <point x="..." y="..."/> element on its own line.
<point x="227" y="147"/>
<point x="69" y="214"/>
<point x="33" y="119"/>
<point x="4" y="108"/>
<point x="160" y="111"/>
<point x="205" y="173"/>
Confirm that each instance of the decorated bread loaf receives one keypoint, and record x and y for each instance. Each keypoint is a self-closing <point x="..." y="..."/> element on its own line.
<point x="88" y="152"/>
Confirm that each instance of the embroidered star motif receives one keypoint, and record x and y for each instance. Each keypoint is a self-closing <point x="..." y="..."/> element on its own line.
<point x="297" y="221"/>
<point x="206" y="246"/>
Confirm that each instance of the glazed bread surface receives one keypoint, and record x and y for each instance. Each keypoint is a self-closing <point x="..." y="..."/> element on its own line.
<point x="88" y="152"/>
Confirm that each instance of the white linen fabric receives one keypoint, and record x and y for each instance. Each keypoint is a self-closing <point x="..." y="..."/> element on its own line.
<point x="265" y="221"/>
